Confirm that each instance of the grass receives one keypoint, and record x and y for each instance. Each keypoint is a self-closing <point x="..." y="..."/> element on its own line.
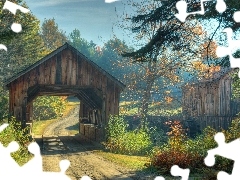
<point x="127" y="161"/>
<point x="130" y="108"/>
<point x="40" y="126"/>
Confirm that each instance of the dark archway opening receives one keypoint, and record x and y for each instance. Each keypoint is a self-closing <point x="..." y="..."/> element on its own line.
<point x="90" y="116"/>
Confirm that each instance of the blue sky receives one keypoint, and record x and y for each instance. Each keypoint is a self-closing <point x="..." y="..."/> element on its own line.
<point x="94" y="18"/>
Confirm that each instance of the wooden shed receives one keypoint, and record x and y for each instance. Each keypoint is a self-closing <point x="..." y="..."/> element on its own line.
<point x="209" y="102"/>
<point x="66" y="72"/>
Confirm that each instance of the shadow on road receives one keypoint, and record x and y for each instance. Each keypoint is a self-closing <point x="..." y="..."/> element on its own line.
<point x="53" y="145"/>
<point x="73" y="127"/>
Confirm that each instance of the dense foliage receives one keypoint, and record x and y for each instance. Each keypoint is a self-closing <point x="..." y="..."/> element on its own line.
<point x="25" y="48"/>
<point x="14" y="132"/>
<point x="190" y="153"/>
<point x="51" y="35"/>
<point x="119" y="140"/>
<point x="171" y="29"/>
<point x="48" y="107"/>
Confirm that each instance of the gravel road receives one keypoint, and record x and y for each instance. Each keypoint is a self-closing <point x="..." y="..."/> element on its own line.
<point x="63" y="125"/>
<point x="56" y="145"/>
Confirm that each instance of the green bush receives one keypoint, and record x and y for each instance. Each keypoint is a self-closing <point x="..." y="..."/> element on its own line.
<point x="190" y="153"/>
<point x="48" y="107"/>
<point x="14" y="132"/>
<point x="119" y="140"/>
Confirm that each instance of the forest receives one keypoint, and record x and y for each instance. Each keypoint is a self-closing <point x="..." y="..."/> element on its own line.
<point x="165" y="55"/>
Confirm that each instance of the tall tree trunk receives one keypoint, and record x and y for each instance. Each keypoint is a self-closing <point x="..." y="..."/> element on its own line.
<point x="150" y="78"/>
<point x="145" y="102"/>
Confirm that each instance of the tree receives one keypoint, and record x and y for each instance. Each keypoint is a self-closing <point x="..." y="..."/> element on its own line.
<point x="169" y="46"/>
<point x="7" y="18"/>
<point x="164" y="12"/>
<point x="52" y="36"/>
<point x="24" y="48"/>
<point x="82" y="45"/>
<point x="110" y="58"/>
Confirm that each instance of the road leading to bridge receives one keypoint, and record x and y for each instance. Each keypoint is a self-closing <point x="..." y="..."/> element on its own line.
<point x="57" y="145"/>
<point x="64" y="124"/>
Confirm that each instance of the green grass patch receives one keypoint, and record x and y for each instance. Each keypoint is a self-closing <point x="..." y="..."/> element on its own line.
<point x="130" y="108"/>
<point x="40" y="126"/>
<point x="130" y="162"/>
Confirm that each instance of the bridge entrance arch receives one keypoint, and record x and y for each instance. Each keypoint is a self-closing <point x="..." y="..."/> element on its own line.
<point x="66" y="72"/>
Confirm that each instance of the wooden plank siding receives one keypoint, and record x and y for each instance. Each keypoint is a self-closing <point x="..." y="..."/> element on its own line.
<point x="64" y="71"/>
<point x="210" y="103"/>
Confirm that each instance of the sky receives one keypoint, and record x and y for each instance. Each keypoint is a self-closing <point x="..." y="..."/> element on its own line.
<point x="94" y="18"/>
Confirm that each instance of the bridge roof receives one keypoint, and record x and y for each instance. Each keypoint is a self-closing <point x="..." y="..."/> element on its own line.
<point x="58" y="50"/>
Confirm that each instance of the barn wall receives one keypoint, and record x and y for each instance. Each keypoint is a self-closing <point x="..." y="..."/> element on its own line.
<point x="210" y="103"/>
<point x="208" y="99"/>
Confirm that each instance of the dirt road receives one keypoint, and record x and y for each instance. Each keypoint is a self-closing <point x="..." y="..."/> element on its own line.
<point x="64" y="125"/>
<point x="57" y="145"/>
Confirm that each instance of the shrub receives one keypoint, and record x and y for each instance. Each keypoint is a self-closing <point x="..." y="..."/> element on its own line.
<point x="14" y="132"/>
<point x="190" y="153"/>
<point x="174" y="151"/>
<point x="48" y="107"/>
<point x="119" y="140"/>
<point x="158" y="136"/>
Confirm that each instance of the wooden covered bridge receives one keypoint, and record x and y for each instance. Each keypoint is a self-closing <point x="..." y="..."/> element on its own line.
<point x="66" y="72"/>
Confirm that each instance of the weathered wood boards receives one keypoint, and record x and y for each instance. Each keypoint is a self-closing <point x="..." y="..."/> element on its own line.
<point x="210" y="102"/>
<point x="65" y="72"/>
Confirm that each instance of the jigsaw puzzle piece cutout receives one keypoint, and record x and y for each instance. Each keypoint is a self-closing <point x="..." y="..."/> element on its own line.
<point x="182" y="10"/>
<point x="235" y="63"/>
<point x="234" y="45"/>
<point x="38" y="174"/>
<point x="64" y="165"/>
<point x="159" y="178"/>
<point x="5" y="125"/>
<point x="5" y="156"/>
<point x="2" y="46"/>
<point x="34" y="165"/>
<point x="235" y="173"/>
<point x="224" y="176"/>
<point x="110" y="1"/>
<point x="221" y="6"/>
<point x="228" y="150"/>
<point x="182" y="14"/>
<point x="177" y="171"/>
<point x="236" y="16"/>
<point x="12" y="7"/>
<point x="85" y="178"/>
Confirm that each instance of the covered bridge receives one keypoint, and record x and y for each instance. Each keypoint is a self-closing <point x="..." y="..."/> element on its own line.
<point x="209" y="102"/>
<point x="66" y="72"/>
